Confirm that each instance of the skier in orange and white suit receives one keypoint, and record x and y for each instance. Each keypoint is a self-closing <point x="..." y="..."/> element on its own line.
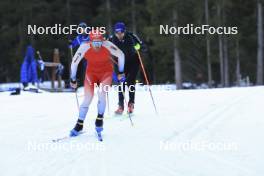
<point x="99" y="71"/>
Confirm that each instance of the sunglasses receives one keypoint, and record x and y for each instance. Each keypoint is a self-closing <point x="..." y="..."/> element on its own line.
<point x="97" y="43"/>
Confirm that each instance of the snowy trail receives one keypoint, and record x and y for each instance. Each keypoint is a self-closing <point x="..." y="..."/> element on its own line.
<point x="229" y="116"/>
<point x="204" y="121"/>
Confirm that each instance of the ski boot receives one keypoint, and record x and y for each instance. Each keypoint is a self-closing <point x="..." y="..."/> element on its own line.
<point x="119" y="110"/>
<point x="77" y="129"/>
<point x="130" y="108"/>
<point x="99" y="126"/>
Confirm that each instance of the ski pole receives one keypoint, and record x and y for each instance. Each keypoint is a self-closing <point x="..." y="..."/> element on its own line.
<point x="147" y="81"/>
<point x="129" y="115"/>
<point x="108" y="107"/>
<point x="77" y="101"/>
<point x="75" y="92"/>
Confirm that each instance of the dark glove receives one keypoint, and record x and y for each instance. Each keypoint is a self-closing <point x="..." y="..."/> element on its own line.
<point x="73" y="84"/>
<point x="121" y="77"/>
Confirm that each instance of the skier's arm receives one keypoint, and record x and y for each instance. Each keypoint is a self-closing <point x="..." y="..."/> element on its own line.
<point x="136" y="39"/>
<point x="115" y="51"/>
<point x="76" y="42"/>
<point x="77" y="58"/>
<point x="138" y="44"/>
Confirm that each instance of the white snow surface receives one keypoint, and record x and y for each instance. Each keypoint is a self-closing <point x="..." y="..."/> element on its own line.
<point x="211" y="132"/>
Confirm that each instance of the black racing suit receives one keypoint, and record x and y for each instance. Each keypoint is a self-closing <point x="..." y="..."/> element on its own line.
<point x="131" y="64"/>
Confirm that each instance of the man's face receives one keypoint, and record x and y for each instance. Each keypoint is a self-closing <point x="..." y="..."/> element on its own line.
<point x="120" y="35"/>
<point x="97" y="44"/>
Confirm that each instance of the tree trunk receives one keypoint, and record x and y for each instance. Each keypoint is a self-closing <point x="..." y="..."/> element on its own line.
<point x="133" y="16"/>
<point x="68" y="21"/>
<point x="152" y="66"/>
<point x="220" y="41"/>
<point x="208" y="49"/>
<point x="260" y="46"/>
<point x="109" y="18"/>
<point x="32" y="40"/>
<point x="177" y="59"/>
<point x="238" y="74"/>
<point x="225" y="49"/>
<point x="226" y="62"/>
<point x="68" y="13"/>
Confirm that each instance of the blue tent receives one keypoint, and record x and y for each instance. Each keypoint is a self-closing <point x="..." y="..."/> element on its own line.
<point x="29" y="67"/>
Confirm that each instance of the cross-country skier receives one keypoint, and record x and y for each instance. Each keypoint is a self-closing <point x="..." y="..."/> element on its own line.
<point x="99" y="71"/>
<point x="82" y="37"/>
<point x="128" y="43"/>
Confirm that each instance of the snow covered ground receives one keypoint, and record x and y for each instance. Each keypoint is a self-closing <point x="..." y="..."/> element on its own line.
<point x="197" y="133"/>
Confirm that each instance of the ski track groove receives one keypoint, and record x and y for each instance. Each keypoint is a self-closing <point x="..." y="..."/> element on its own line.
<point x="199" y="125"/>
<point x="231" y="164"/>
<point x="205" y="119"/>
<point x="152" y="165"/>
